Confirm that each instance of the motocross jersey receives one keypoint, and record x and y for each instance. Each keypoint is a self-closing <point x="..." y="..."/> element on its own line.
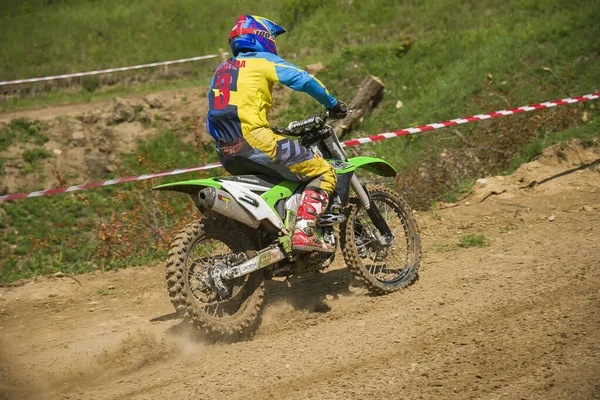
<point x="240" y="93"/>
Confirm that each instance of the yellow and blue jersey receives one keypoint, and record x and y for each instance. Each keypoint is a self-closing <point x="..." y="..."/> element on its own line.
<point x="240" y="93"/>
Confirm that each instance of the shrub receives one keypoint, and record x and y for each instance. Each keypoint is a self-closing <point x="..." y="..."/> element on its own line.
<point x="90" y="83"/>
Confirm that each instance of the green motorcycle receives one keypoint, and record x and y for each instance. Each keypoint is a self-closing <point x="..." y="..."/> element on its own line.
<point x="217" y="265"/>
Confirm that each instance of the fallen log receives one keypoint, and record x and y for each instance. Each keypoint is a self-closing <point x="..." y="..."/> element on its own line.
<point x="369" y="92"/>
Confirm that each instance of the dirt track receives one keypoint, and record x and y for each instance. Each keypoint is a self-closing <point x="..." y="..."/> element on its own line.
<point x="519" y="319"/>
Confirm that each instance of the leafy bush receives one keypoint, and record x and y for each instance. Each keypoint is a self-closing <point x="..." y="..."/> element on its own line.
<point x="90" y="83"/>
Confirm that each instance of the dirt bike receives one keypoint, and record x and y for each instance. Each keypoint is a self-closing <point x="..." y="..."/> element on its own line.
<point x="217" y="266"/>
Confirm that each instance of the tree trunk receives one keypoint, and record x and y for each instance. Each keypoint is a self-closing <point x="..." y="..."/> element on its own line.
<point x="369" y="92"/>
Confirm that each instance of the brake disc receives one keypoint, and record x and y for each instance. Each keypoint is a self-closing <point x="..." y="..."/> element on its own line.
<point x="213" y="279"/>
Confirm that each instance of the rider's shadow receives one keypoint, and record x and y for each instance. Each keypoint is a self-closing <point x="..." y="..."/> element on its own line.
<point x="310" y="292"/>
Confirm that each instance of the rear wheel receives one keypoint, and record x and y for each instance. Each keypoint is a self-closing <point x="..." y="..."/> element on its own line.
<point x="383" y="268"/>
<point x="196" y="252"/>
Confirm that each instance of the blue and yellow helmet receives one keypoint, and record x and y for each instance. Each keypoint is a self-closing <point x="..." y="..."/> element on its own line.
<point x="254" y="33"/>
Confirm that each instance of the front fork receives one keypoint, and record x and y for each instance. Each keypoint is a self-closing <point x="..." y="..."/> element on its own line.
<point x="383" y="234"/>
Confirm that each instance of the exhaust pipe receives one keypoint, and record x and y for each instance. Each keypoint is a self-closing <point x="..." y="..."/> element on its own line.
<point x="221" y="202"/>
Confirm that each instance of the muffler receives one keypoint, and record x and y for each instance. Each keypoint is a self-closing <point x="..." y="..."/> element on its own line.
<point x="221" y="202"/>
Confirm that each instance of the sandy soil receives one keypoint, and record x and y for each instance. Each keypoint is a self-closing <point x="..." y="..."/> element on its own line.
<point x="518" y="319"/>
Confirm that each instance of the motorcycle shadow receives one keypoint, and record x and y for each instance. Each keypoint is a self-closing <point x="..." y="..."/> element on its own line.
<point x="310" y="292"/>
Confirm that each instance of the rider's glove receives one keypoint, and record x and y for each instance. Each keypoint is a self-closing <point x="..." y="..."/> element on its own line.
<point x="340" y="110"/>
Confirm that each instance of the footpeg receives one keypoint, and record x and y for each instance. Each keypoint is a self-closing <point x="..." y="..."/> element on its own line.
<point x="331" y="219"/>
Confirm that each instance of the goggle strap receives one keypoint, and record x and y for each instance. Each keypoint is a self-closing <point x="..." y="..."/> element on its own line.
<point x="250" y="31"/>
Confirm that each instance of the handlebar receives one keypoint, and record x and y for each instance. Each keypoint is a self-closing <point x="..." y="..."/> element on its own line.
<point x="297" y="128"/>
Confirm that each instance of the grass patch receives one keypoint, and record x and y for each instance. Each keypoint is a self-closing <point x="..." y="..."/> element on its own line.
<point x="21" y="130"/>
<point x="467" y="241"/>
<point x="464" y="242"/>
<point x="433" y="210"/>
<point x="34" y="157"/>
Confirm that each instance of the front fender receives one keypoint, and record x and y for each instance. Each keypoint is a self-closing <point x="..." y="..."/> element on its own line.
<point x="372" y="164"/>
<point x="191" y="187"/>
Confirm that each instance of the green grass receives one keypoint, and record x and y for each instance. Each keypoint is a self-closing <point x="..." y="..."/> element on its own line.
<point x="435" y="56"/>
<point x="21" y="130"/>
<point x="33" y="158"/>
<point x="455" y="45"/>
<point x="443" y="76"/>
<point x="467" y="241"/>
<point x="47" y="37"/>
<point x="63" y="222"/>
<point x="25" y="132"/>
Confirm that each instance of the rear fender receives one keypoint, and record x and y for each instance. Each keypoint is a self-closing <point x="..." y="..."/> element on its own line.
<point x="260" y="207"/>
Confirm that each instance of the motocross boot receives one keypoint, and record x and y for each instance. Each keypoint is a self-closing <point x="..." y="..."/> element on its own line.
<point x="306" y="236"/>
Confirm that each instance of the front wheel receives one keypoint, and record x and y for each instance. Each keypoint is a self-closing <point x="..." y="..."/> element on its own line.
<point x="200" y="248"/>
<point x="383" y="268"/>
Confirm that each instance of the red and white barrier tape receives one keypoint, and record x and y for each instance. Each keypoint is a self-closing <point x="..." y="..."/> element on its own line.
<point x="353" y="142"/>
<point x="106" y="71"/>
<point x="480" y="117"/>
<point x="107" y="183"/>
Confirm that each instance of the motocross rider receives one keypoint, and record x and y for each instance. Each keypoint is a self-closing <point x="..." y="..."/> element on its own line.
<point x="239" y="101"/>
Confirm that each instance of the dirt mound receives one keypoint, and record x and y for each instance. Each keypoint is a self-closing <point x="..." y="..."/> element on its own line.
<point x="554" y="162"/>
<point x="87" y="142"/>
<point x="454" y="158"/>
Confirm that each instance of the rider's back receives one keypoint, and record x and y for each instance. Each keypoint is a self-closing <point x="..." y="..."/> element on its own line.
<point x="241" y="89"/>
